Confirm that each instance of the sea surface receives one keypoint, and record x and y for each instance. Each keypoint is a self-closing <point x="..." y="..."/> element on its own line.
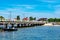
<point x="33" y="33"/>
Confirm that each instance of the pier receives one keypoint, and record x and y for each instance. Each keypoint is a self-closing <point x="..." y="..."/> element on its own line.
<point x="14" y="25"/>
<point x="20" y="24"/>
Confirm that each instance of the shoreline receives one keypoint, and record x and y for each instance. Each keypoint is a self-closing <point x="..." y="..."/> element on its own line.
<point x="50" y="24"/>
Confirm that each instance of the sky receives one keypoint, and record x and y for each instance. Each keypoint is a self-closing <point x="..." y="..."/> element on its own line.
<point x="27" y="8"/>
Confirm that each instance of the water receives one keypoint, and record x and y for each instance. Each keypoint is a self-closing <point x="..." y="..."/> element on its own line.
<point x="33" y="33"/>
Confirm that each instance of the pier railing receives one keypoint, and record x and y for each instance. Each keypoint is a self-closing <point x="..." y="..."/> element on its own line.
<point x="22" y="24"/>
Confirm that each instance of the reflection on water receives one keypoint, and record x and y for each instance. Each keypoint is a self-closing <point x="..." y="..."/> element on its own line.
<point x="7" y="35"/>
<point x="32" y="33"/>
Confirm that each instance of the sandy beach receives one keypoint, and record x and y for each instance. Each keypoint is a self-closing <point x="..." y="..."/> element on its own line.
<point x="50" y="24"/>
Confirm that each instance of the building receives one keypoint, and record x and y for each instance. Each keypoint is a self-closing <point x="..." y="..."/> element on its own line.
<point x="15" y="19"/>
<point x="42" y="19"/>
<point x="26" y="19"/>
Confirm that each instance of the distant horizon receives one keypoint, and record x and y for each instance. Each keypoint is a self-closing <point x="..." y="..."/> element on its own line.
<point x="27" y="8"/>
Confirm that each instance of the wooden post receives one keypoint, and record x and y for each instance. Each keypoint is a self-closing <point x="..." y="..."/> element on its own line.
<point x="12" y="25"/>
<point x="18" y="25"/>
<point x="6" y="25"/>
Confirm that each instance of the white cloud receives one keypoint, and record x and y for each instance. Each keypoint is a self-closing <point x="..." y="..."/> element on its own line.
<point x="29" y="7"/>
<point x="57" y="9"/>
<point x="50" y="1"/>
<point x="3" y="12"/>
<point x="26" y="6"/>
<point x="20" y="11"/>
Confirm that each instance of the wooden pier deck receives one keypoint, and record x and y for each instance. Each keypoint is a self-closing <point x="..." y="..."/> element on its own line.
<point x="19" y="24"/>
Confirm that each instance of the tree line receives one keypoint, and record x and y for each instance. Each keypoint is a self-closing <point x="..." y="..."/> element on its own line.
<point x="34" y="18"/>
<point x="18" y="18"/>
<point x="30" y="18"/>
<point x="54" y="20"/>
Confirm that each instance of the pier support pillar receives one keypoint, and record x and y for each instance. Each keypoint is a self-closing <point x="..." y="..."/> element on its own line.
<point x="12" y="25"/>
<point x="18" y="25"/>
<point x="6" y="25"/>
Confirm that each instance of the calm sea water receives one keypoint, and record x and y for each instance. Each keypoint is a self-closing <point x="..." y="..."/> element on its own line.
<point x="33" y="33"/>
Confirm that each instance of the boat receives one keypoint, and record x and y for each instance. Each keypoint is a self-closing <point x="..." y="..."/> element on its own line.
<point x="10" y="29"/>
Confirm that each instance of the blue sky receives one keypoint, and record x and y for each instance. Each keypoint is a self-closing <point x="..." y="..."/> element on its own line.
<point x="27" y="8"/>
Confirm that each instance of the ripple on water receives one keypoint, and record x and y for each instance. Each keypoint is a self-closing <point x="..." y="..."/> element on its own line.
<point x="33" y="33"/>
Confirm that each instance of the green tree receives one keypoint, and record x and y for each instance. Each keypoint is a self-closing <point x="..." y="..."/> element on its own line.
<point x="54" y="20"/>
<point x="18" y="17"/>
<point x="58" y="20"/>
<point x="31" y="18"/>
<point x="35" y="18"/>
<point x="50" y="20"/>
<point x="1" y="18"/>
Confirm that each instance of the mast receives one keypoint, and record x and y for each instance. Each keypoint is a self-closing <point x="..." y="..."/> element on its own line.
<point x="10" y="15"/>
